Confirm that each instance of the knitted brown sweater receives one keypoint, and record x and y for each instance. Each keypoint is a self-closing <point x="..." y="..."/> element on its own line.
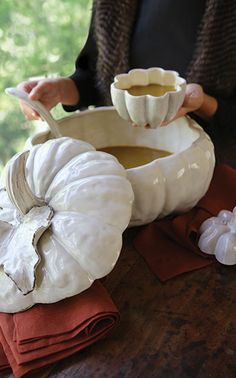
<point x="214" y="60"/>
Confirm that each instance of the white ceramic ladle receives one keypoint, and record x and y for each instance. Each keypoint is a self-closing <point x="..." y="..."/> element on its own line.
<point x="40" y="109"/>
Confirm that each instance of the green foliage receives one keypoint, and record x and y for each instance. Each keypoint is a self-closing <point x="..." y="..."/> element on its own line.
<point x="37" y="38"/>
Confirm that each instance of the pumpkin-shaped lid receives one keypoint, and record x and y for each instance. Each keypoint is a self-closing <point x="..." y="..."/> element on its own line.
<point x="63" y="208"/>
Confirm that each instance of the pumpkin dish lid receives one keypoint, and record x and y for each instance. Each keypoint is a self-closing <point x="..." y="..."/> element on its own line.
<point x="63" y="209"/>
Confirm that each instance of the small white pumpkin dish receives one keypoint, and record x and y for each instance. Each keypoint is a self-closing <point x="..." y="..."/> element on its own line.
<point x="63" y="208"/>
<point x="148" y="96"/>
<point x="218" y="237"/>
<point x="161" y="185"/>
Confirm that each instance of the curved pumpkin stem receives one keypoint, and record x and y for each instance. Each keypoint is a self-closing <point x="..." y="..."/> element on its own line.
<point x="17" y="187"/>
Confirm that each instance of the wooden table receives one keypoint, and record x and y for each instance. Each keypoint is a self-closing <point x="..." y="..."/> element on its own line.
<point x="183" y="328"/>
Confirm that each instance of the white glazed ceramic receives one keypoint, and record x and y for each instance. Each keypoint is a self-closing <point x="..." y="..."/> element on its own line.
<point x="218" y="237"/>
<point x="171" y="184"/>
<point x="39" y="107"/>
<point x="147" y="109"/>
<point x="63" y="208"/>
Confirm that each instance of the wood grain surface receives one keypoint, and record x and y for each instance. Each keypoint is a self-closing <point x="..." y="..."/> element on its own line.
<point x="185" y="327"/>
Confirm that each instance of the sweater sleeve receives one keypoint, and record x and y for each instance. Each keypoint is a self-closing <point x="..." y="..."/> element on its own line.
<point x="224" y="119"/>
<point x="223" y="123"/>
<point x="222" y="130"/>
<point x="84" y="75"/>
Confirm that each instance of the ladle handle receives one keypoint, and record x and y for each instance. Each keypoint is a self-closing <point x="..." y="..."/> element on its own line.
<point x="39" y="107"/>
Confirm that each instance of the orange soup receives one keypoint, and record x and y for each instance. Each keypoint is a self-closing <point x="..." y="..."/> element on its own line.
<point x="134" y="156"/>
<point x="151" y="89"/>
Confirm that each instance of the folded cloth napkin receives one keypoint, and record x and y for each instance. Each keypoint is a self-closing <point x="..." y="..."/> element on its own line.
<point x="4" y="364"/>
<point x="169" y="245"/>
<point x="47" y="333"/>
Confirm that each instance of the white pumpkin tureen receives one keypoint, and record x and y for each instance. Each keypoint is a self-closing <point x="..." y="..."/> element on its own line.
<point x="174" y="183"/>
<point x="63" y="208"/>
<point x="64" y="204"/>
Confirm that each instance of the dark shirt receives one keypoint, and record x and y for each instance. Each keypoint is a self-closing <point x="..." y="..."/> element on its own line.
<point x="165" y="34"/>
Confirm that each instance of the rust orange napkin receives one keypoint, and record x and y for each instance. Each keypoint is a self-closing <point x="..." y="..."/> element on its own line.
<point x="169" y="246"/>
<point x="4" y="364"/>
<point x="47" y="333"/>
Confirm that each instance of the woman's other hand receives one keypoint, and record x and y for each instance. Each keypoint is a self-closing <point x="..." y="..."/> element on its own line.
<point x="199" y="102"/>
<point x="49" y="92"/>
<point x="195" y="101"/>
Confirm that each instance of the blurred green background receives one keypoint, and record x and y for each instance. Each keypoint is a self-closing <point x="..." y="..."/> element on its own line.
<point x="37" y="38"/>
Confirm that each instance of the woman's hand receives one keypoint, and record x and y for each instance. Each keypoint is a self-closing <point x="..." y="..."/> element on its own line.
<point x="199" y="102"/>
<point x="49" y="92"/>
<point x="195" y="101"/>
